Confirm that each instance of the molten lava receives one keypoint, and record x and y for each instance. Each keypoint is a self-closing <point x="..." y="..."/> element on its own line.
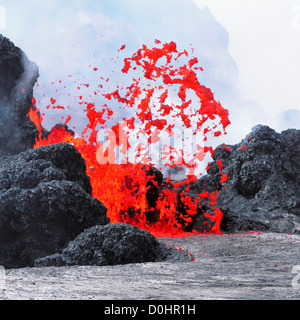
<point x="160" y="98"/>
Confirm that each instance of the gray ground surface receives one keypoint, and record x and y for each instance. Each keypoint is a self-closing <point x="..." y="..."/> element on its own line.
<point x="240" y="266"/>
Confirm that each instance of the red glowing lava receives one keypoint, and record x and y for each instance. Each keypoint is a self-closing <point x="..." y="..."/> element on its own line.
<point x="159" y="98"/>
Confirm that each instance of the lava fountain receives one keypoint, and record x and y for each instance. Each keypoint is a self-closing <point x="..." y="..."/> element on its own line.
<point x="164" y="99"/>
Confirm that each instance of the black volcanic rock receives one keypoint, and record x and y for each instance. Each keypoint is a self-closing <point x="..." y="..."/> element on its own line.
<point x="45" y="201"/>
<point x="18" y="76"/>
<point x="153" y="192"/>
<point x="111" y="245"/>
<point x="263" y="187"/>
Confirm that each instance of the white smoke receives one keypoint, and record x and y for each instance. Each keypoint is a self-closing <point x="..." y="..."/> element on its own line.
<point x="28" y="77"/>
<point x="65" y="38"/>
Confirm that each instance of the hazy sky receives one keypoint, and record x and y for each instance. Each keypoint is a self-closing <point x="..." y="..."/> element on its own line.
<point x="249" y="49"/>
<point x="265" y="44"/>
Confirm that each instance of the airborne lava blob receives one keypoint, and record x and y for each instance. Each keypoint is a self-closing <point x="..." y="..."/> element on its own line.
<point x="164" y="98"/>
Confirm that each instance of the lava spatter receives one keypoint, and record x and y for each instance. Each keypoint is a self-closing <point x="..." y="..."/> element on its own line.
<point x="160" y="98"/>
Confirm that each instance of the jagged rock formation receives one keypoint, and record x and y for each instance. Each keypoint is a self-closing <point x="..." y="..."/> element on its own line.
<point x="263" y="187"/>
<point x="18" y="76"/>
<point x="111" y="245"/>
<point x="45" y="201"/>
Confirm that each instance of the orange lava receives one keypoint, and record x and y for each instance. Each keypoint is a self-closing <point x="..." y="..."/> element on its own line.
<point x="122" y="188"/>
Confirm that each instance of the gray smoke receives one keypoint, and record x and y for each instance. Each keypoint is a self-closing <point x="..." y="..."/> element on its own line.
<point x="17" y="78"/>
